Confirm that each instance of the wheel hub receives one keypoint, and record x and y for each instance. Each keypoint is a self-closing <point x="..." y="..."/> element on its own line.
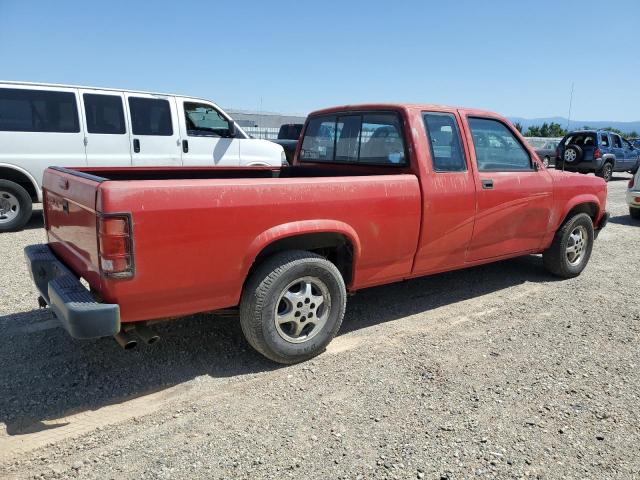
<point x="576" y="245"/>
<point x="9" y="207"/>
<point x="302" y="309"/>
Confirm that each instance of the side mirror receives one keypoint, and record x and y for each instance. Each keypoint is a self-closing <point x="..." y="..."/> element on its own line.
<point x="232" y="129"/>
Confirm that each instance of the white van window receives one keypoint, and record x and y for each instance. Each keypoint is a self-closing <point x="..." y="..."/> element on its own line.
<point x="104" y="113"/>
<point x="150" y="116"/>
<point x="38" y="111"/>
<point x="204" y="120"/>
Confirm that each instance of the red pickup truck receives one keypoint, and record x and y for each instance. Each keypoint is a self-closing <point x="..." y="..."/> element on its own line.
<point x="377" y="194"/>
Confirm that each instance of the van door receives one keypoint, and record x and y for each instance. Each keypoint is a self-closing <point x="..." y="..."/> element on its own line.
<point x="205" y="135"/>
<point x="155" y="134"/>
<point x="40" y="127"/>
<point x="107" y="135"/>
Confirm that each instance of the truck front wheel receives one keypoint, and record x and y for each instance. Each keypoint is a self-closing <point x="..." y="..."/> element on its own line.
<point x="571" y="248"/>
<point x="292" y="306"/>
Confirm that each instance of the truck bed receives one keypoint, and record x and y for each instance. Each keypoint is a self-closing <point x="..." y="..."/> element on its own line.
<point x="214" y="222"/>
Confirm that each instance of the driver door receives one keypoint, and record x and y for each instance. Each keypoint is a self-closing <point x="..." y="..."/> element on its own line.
<point x="205" y="135"/>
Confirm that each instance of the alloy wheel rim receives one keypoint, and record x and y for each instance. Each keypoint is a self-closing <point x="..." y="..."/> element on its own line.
<point x="9" y="207"/>
<point x="576" y="245"/>
<point x="569" y="155"/>
<point x="302" y="309"/>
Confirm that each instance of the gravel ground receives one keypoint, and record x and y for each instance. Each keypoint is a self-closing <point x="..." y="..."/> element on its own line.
<point x="498" y="371"/>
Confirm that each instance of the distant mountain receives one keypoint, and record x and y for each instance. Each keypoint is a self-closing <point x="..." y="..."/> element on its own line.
<point x="578" y="124"/>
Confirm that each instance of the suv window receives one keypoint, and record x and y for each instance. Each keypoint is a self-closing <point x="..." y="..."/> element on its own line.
<point x="38" y="111"/>
<point x="104" y="114"/>
<point x="150" y="116"/>
<point x="204" y="120"/>
<point x="604" y="139"/>
<point x="497" y="149"/>
<point x="367" y="138"/>
<point x="581" y="139"/>
<point x="444" y="142"/>
<point x="617" y="142"/>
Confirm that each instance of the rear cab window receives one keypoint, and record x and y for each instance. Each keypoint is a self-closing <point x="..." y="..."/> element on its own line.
<point x="367" y="138"/>
<point x="444" y="142"/>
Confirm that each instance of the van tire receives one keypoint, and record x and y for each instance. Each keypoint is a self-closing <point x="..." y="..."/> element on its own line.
<point x="556" y="257"/>
<point x="15" y="206"/>
<point x="270" y="288"/>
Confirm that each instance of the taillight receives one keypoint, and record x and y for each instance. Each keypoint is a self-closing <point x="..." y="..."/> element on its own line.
<point x="632" y="182"/>
<point x="597" y="154"/>
<point x="115" y="246"/>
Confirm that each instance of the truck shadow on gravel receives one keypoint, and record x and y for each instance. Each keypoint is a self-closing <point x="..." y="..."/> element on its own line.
<point x="625" y="220"/>
<point x="47" y="375"/>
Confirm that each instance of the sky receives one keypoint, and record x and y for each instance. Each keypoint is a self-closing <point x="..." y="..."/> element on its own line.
<point x="513" y="57"/>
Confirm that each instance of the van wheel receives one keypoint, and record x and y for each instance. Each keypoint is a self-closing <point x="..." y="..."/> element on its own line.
<point x="15" y="206"/>
<point x="571" y="249"/>
<point x="606" y="172"/>
<point x="292" y="306"/>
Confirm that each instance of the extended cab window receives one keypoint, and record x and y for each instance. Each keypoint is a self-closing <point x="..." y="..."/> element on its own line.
<point x="367" y="138"/>
<point x="150" y="116"/>
<point x="104" y="113"/>
<point x="444" y="141"/>
<point x="24" y="110"/>
<point x="204" y="121"/>
<point x="497" y="149"/>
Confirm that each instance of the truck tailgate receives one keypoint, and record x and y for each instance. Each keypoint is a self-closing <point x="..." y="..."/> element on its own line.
<point x="70" y="220"/>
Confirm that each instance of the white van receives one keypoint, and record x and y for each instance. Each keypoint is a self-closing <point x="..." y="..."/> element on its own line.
<point x="69" y="126"/>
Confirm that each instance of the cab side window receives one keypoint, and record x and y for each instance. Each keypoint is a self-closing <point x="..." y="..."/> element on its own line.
<point x="444" y="142"/>
<point x="204" y="121"/>
<point x="150" y="116"/>
<point x="497" y="149"/>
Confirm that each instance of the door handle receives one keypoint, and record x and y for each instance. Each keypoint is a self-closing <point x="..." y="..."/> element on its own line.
<point x="185" y="146"/>
<point x="136" y="145"/>
<point x="487" y="184"/>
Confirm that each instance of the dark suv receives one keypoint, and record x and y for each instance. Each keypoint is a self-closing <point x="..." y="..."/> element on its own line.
<point x="597" y="151"/>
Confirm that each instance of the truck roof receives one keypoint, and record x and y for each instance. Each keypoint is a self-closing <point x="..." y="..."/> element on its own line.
<point x="405" y="106"/>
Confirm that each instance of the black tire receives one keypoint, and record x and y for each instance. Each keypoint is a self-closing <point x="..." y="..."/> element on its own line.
<point x="606" y="172"/>
<point x="635" y="213"/>
<point x="262" y="296"/>
<point x="555" y="258"/>
<point x="572" y="159"/>
<point x="13" y="216"/>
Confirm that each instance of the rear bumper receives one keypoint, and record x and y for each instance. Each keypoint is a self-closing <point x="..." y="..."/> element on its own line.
<point x="71" y="302"/>
<point x="633" y="198"/>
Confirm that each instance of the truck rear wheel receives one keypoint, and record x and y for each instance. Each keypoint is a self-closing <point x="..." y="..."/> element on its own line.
<point x="15" y="206"/>
<point x="292" y="306"/>
<point x="571" y="249"/>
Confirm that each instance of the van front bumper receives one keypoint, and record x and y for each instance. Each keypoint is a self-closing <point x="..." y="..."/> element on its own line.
<point x="80" y="314"/>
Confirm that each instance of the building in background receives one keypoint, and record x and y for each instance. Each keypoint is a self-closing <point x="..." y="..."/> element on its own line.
<point x="262" y="124"/>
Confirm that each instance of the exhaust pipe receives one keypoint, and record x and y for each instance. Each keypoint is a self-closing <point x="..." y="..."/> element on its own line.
<point x="125" y="340"/>
<point x="147" y="335"/>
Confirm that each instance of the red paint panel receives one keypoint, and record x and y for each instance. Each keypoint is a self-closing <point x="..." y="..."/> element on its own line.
<point x="194" y="240"/>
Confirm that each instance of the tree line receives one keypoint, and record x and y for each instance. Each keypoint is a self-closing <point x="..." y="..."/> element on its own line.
<point x="554" y="129"/>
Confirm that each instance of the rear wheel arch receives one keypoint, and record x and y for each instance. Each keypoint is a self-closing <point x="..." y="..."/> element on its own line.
<point x="589" y="207"/>
<point x="339" y="247"/>
<point x="22" y="178"/>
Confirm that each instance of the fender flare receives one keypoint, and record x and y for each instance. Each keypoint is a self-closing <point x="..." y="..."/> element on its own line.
<point x="578" y="200"/>
<point x="26" y="174"/>
<point x="293" y="229"/>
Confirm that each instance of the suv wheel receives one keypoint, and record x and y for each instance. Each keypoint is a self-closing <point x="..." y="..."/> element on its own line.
<point x="292" y="306"/>
<point x="545" y="162"/>
<point x="571" y="249"/>
<point x="15" y="206"/>
<point x="572" y="154"/>
<point x="606" y="172"/>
